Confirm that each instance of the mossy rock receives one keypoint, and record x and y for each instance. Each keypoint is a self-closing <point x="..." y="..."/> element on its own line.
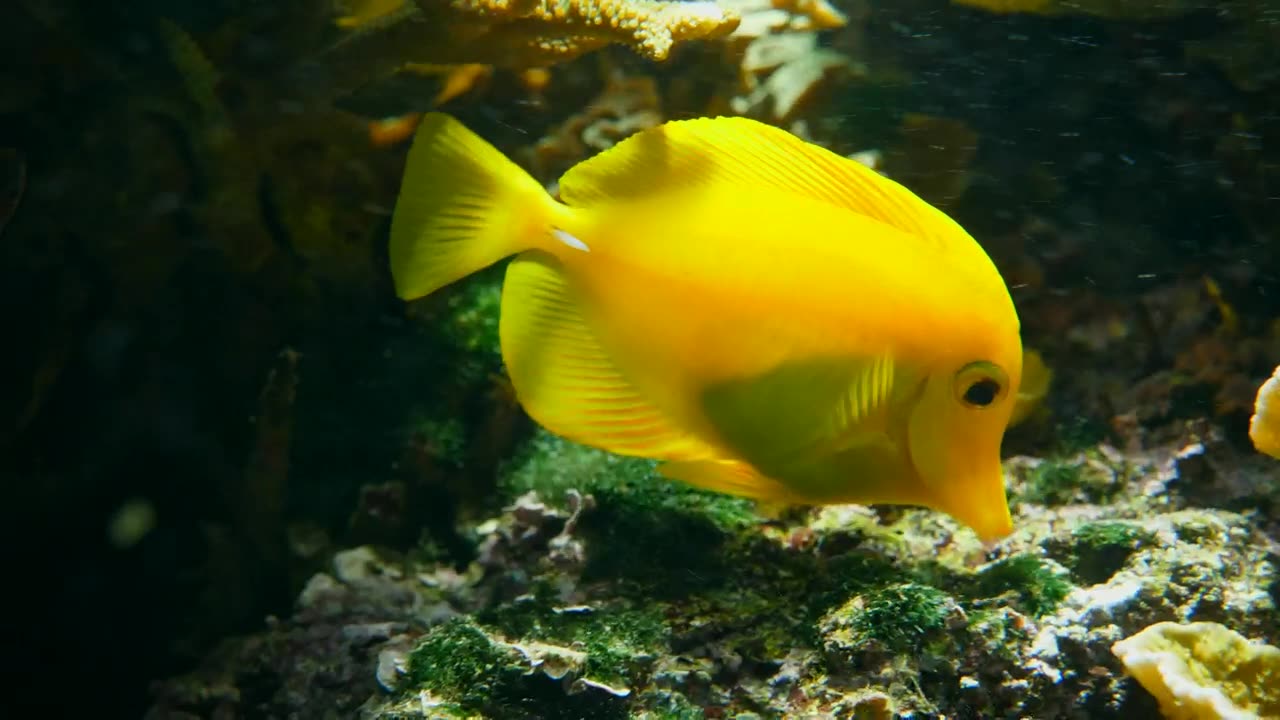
<point x="1037" y="585"/>
<point x="620" y="642"/>
<point x="895" y="618"/>
<point x="459" y="661"/>
<point x="1098" y="550"/>
<point x="467" y="669"/>
<point x="1083" y="478"/>
<point x="663" y="535"/>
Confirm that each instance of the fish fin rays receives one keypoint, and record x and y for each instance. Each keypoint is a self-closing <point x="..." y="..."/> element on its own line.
<point x="732" y="477"/>
<point x="743" y="152"/>
<point x="563" y="377"/>
<point x="1036" y="380"/>
<point x="462" y="207"/>
<point x="805" y="410"/>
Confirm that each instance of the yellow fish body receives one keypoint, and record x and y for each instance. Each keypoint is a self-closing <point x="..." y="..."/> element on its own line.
<point x="768" y="318"/>
<point x="1264" y="426"/>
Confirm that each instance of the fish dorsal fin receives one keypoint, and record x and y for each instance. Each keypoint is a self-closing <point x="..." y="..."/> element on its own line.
<point x="564" y="378"/>
<point x="744" y="152"/>
<point x="803" y="410"/>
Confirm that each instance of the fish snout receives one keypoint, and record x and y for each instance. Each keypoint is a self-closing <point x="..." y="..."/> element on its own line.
<point x="978" y="500"/>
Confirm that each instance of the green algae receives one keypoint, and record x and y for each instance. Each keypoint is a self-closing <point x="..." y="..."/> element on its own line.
<point x="1038" y="586"/>
<point x="1053" y="483"/>
<point x="833" y="581"/>
<point x="1099" y="549"/>
<point x="552" y="466"/>
<point x="902" y="615"/>
<point x="1077" y="434"/>
<point x="999" y="632"/>
<point x="619" y="641"/>
<point x="660" y="534"/>
<point x="670" y="706"/>
<point x="1060" y="480"/>
<point x="1109" y="533"/>
<point x="665" y="539"/>
<point x="858" y="570"/>
<point x="446" y="438"/>
<point x="458" y="661"/>
<point x="472" y="321"/>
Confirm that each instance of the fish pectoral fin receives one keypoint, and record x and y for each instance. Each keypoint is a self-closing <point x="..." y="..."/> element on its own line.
<point x="741" y="152"/>
<point x="563" y="377"/>
<point x="1036" y="379"/>
<point x="800" y="411"/>
<point x="731" y="477"/>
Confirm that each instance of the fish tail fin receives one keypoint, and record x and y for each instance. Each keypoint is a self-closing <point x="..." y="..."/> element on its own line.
<point x="462" y="207"/>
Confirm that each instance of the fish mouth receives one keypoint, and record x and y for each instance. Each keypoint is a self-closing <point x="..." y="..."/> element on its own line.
<point x="978" y="501"/>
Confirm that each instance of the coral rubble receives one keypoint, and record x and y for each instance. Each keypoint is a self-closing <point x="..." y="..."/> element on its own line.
<point x="606" y="592"/>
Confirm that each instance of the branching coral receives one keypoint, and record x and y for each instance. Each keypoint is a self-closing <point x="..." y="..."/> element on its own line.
<point x="626" y="105"/>
<point x="566" y="28"/>
<point x="516" y="33"/>
<point x="763" y="17"/>
<point x="781" y="65"/>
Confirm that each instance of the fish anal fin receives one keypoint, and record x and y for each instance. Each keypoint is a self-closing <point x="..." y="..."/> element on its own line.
<point x="732" y="477"/>
<point x="741" y="152"/>
<point x="563" y="377"/>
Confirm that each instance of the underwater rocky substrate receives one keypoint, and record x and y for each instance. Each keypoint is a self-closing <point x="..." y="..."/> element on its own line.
<point x="602" y="591"/>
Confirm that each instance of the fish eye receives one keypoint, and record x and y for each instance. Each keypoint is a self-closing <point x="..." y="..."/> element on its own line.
<point x="980" y="384"/>
<point x="982" y="393"/>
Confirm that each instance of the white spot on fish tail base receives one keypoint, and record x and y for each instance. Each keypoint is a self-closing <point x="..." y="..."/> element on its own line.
<point x="570" y="240"/>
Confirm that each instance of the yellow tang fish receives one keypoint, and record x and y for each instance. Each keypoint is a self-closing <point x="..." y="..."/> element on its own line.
<point x="767" y="318"/>
<point x="1264" y="426"/>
